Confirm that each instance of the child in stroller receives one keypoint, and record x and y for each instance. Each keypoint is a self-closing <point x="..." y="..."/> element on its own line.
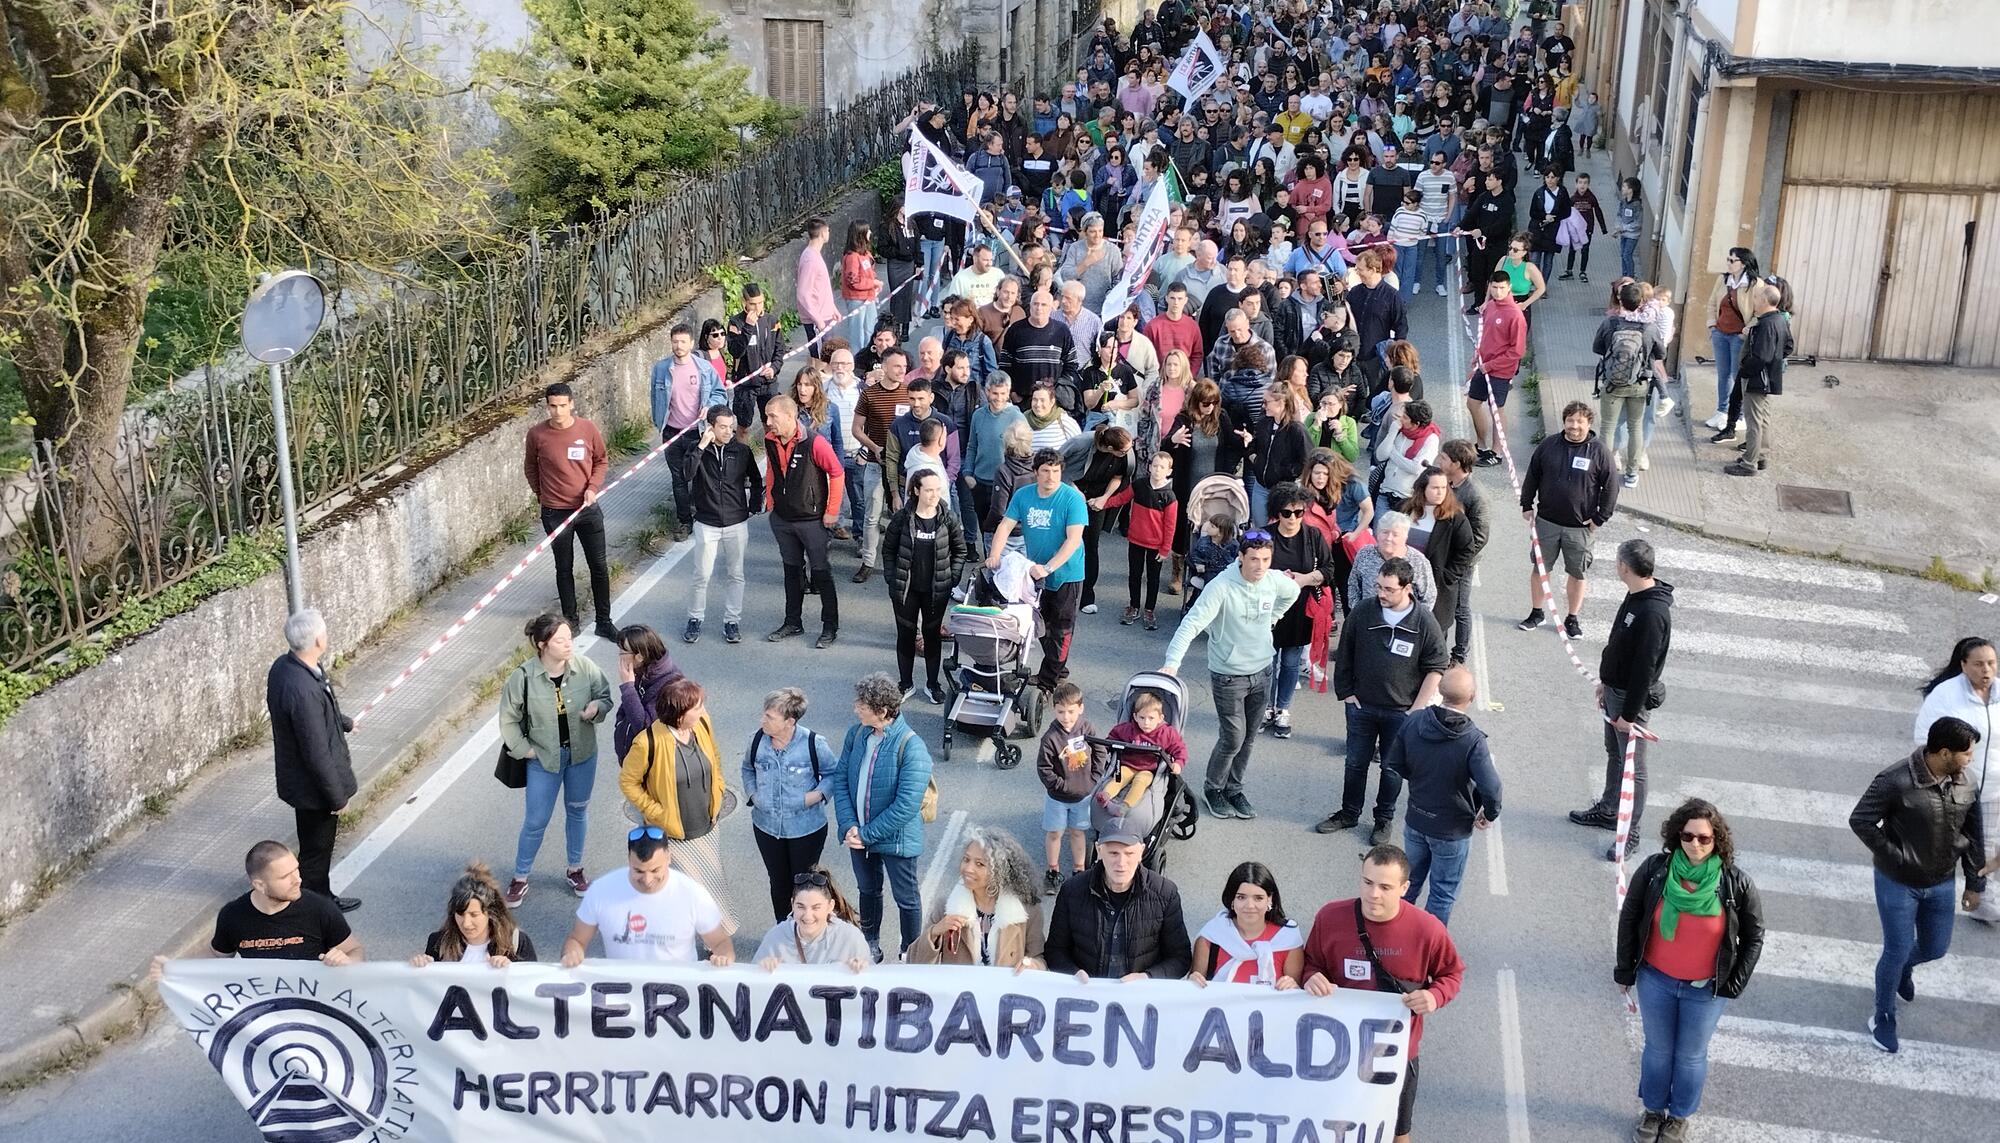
<point x="1137" y="767"/>
<point x="1164" y="810"/>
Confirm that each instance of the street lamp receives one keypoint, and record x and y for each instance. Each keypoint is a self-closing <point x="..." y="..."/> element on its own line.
<point x="283" y="313"/>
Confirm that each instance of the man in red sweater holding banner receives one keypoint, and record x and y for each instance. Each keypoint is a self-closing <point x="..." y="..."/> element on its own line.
<point x="1376" y="941"/>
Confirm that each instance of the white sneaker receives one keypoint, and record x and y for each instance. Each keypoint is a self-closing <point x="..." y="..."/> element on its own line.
<point x="1720" y="419"/>
<point x="1645" y="462"/>
<point x="1663" y="408"/>
<point x="1090" y="609"/>
<point x="1440" y="290"/>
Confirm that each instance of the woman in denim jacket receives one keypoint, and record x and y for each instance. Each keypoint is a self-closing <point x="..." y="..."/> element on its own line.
<point x="785" y="772"/>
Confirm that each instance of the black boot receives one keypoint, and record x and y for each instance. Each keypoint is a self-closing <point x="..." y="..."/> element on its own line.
<point x="829" y="599"/>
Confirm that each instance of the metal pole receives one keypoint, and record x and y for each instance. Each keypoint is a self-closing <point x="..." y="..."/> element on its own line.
<point x="295" y="594"/>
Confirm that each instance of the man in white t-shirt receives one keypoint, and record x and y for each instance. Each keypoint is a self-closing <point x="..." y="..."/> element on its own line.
<point x="651" y="913"/>
<point x="976" y="282"/>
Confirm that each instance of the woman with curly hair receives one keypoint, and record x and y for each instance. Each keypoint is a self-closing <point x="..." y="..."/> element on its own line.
<point x="1688" y="940"/>
<point x="993" y="916"/>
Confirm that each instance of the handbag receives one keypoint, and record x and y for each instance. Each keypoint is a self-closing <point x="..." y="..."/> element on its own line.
<point x="510" y="771"/>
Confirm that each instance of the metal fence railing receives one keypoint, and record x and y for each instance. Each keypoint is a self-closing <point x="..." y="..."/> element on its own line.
<point x="382" y="392"/>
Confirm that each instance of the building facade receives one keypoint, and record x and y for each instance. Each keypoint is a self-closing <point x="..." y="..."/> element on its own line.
<point x="1854" y="145"/>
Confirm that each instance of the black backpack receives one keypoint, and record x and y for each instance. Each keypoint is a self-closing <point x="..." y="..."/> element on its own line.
<point x="1621" y="371"/>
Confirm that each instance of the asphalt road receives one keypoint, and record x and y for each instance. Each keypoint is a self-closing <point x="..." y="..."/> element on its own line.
<point x="1791" y="683"/>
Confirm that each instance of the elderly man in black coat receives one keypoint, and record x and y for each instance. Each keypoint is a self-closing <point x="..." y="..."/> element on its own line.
<point x="309" y="746"/>
<point x="1119" y="920"/>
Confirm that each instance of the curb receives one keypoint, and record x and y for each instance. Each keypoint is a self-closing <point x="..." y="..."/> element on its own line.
<point x="77" y="1041"/>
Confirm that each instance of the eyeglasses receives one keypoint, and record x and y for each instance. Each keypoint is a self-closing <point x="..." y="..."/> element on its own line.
<point x="654" y="832"/>
<point x="811" y="879"/>
<point x="1693" y="838"/>
<point x="1290" y="513"/>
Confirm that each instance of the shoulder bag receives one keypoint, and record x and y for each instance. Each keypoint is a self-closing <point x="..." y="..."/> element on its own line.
<point x="510" y="771"/>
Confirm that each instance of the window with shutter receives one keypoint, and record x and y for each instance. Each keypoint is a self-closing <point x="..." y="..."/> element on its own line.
<point x="794" y="59"/>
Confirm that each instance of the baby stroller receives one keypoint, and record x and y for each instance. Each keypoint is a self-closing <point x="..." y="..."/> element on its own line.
<point x="986" y="691"/>
<point x="1167" y="812"/>
<point x="1220" y="493"/>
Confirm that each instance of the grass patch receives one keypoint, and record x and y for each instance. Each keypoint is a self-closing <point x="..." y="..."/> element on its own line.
<point x="487" y="686"/>
<point x="384" y="784"/>
<point x="1938" y="572"/>
<point x="517" y="529"/>
<point x="630" y="438"/>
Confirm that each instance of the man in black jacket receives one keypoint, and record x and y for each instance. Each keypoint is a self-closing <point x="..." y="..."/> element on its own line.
<point x="1629" y="686"/>
<point x="309" y="747"/>
<point x="1457" y="458"/>
<point x="756" y="347"/>
<point x="1454" y="789"/>
<point x="1567" y="493"/>
<point x="1766" y="344"/>
<point x="1118" y="920"/>
<point x="726" y="489"/>
<point x="1387" y="665"/>
<point x="1918" y="818"/>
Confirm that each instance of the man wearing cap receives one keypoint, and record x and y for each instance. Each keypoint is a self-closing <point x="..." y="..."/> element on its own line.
<point x="1274" y="147"/>
<point x="1118" y="920"/>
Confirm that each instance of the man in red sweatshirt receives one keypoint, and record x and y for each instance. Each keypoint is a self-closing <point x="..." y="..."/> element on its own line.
<point x="804" y="485"/>
<point x="565" y="464"/>
<point x="1405" y="950"/>
<point x="1503" y="340"/>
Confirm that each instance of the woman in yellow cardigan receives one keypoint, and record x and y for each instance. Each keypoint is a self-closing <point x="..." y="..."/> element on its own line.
<point x="672" y="777"/>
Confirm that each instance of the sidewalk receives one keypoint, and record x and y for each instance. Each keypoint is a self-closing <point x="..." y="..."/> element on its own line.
<point x="78" y="960"/>
<point x="1892" y="437"/>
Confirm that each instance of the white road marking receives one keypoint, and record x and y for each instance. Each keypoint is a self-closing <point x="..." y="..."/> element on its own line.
<point x="1790" y="610"/>
<point x="1710" y="1129"/>
<point x="1758" y="566"/>
<point x="1953" y="978"/>
<point x="1774" y="803"/>
<point x="1802" y="877"/>
<point x="1901" y="700"/>
<point x="1513" y="1070"/>
<point x="1797" y="653"/>
<point x="1850" y="1057"/>
<point x="1455" y="356"/>
<point x="1758" y="739"/>
<point x="478" y="748"/>
<point x="1496" y="862"/>
<point x="1481" y="678"/>
<point x="944" y="857"/>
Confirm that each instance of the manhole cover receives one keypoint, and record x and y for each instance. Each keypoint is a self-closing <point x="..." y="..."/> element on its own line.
<point x="1819" y="501"/>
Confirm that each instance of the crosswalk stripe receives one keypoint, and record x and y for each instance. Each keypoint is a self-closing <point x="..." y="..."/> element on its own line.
<point x="1797" y="653"/>
<point x="1706" y="1128"/>
<point x="1790" y="610"/>
<point x="1773" y="803"/>
<point x="1831" y="960"/>
<point x="1852" y="1057"/>
<point x="1768" y="738"/>
<point x="1803" y="877"/>
<point x="1901" y="700"/>
<point x="1755" y="567"/>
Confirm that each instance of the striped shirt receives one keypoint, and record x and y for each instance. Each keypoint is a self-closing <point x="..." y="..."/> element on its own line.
<point x="1408" y="227"/>
<point x="1437" y="190"/>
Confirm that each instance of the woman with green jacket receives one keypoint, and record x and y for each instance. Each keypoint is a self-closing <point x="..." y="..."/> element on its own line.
<point x="549" y="711"/>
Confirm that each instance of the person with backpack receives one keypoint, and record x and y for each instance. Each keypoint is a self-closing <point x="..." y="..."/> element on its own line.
<point x="882" y="796"/>
<point x="1626" y="349"/>
<point x="787" y="773"/>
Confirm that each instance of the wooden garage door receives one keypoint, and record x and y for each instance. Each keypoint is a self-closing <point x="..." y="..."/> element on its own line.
<point x="1979" y="327"/>
<point x="1830" y="243"/>
<point x="1924" y="277"/>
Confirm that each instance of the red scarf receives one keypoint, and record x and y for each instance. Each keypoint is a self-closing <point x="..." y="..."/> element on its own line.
<point x="1417" y="438"/>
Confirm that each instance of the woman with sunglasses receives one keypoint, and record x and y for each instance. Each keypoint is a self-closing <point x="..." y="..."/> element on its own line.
<point x="820" y="930"/>
<point x="1688" y="940"/>
<point x="672" y="778"/>
<point x="993" y="916"/>
<point x="710" y="345"/>
<point x="1304" y="555"/>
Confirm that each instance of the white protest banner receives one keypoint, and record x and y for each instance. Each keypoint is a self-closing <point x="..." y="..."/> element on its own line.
<point x="1199" y="67"/>
<point x="1147" y="237"/>
<point x="619" y="1050"/>
<point x="933" y="184"/>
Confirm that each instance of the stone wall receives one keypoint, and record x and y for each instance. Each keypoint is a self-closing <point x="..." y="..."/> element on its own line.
<point x="79" y="761"/>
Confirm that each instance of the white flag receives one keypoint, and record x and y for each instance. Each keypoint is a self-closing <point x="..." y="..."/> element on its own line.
<point x="1199" y="67"/>
<point x="1139" y="256"/>
<point x="933" y="184"/>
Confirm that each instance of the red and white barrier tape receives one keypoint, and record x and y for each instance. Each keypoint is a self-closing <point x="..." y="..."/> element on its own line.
<point x="534" y="553"/>
<point x="1627" y="782"/>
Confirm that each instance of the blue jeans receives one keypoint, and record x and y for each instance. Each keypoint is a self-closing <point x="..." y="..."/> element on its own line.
<point x="1916" y="928"/>
<point x="1410" y="261"/>
<point x="1628" y="264"/>
<point x="856" y="496"/>
<point x="575" y="782"/>
<point x="1728" y="350"/>
<point x="1645" y="426"/>
<point x="902" y="871"/>
<point x="1370" y="729"/>
<point x="1259" y="501"/>
<point x="1679" y="1019"/>
<point x="857" y="320"/>
<point x="1443" y="861"/>
<point x="933" y="279"/>
<point x="1285" y="665"/>
<point x="1438" y="254"/>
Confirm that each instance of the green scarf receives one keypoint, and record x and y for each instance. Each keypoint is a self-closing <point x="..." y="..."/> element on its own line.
<point x="1700" y="901"/>
<point x="1036" y="422"/>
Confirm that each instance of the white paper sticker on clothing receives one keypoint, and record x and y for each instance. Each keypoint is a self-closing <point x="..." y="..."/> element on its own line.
<point x="576" y="452"/>
<point x="1580" y="463"/>
<point x="1401" y="648"/>
<point x="1356" y="969"/>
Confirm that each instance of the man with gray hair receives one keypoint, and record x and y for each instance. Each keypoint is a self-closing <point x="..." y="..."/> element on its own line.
<point x="1084" y="326"/>
<point x="309" y="749"/>
<point x="1202" y="276"/>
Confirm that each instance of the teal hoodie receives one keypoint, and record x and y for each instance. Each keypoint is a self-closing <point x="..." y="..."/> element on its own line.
<point x="1238" y="616"/>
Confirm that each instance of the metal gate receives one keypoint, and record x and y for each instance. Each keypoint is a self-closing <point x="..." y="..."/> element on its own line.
<point x="1829" y="248"/>
<point x="1923" y="276"/>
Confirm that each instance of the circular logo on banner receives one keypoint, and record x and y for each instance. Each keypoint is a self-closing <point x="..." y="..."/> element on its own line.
<point x="307" y="1071"/>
